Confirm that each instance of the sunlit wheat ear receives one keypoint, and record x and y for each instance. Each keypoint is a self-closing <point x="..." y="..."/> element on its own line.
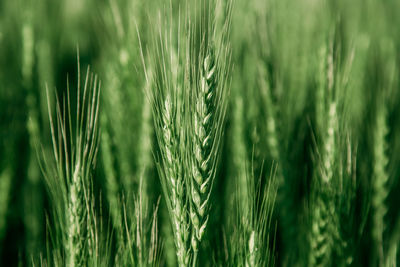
<point x="170" y="168"/>
<point x="175" y="181"/>
<point x="203" y="168"/>
<point x="68" y="179"/>
<point x="167" y="104"/>
<point x="207" y="120"/>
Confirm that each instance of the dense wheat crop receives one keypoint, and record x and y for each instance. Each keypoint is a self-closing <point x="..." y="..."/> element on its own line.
<point x="199" y="133"/>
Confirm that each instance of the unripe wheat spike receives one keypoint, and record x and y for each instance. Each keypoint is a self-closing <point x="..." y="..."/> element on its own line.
<point x="204" y="142"/>
<point x="380" y="180"/>
<point x="68" y="180"/>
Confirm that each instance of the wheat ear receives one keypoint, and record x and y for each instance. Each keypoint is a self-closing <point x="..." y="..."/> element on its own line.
<point x="207" y="120"/>
<point x="170" y="169"/>
<point x="379" y="182"/>
<point x="322" y="199"/>
<point x="168" y="107"/>
<point x="69" y="182"/>
<point x="203" y="168"/>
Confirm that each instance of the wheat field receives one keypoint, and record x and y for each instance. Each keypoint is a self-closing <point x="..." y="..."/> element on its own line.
<point x="199" y="133"/>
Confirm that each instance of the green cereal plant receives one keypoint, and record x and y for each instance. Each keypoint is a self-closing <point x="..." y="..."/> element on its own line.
<point x="322" y="203"/>
<point x="379" y="181"/>
<point x="252" y="242"/>
<point x="68" y="174"/>
<point x="167" y="107"/>
<point x="189" y="113"/>
<point x="208" y="122"/>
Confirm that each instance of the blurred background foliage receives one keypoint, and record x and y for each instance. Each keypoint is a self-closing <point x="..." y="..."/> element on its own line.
<point x="284" y="52"/>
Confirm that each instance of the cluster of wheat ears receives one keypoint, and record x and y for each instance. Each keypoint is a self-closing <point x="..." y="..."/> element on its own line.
<point x="216" y="133"/>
